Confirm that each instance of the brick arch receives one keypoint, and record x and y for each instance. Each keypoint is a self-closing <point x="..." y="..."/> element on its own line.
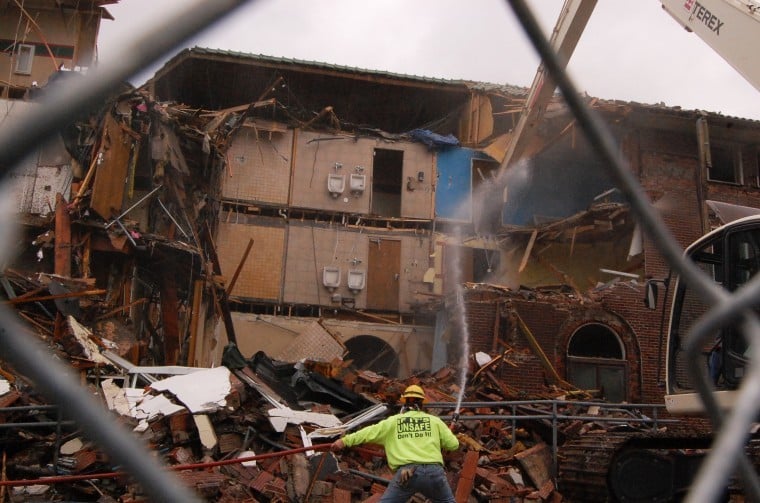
<point x="372" y="353"/>
<point x="625" y="333"/>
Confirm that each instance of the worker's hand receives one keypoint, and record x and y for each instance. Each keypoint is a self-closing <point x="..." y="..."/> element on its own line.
<point x="405" y="476"/>
<point x="454" y="425"/>
<point x="338" y="445"/>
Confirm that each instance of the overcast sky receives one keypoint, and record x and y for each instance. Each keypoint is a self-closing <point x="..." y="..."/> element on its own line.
<point x="631" y="50"/>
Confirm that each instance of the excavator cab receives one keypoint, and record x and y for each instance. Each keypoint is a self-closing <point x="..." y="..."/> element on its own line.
<point x="730" y="255"/>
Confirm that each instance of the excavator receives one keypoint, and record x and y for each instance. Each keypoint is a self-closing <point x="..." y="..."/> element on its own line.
<point x="661" y="467"/>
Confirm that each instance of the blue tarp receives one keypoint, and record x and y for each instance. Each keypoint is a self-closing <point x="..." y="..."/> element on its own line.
<point x="433" y="140"/>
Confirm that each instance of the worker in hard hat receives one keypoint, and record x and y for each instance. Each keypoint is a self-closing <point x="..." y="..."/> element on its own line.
<point x="413" y="440"/>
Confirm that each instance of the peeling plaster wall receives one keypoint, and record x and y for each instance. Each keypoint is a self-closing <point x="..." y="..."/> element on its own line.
<point x="42" y="174"/>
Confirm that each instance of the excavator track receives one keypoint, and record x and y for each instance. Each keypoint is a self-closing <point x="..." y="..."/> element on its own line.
<point x="584" y="464"/>
<point x="636" y="467"/>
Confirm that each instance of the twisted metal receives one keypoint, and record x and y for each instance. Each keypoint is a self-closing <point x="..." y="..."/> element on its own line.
<point x="732" y="428"/>
<point x="19" y="138"/>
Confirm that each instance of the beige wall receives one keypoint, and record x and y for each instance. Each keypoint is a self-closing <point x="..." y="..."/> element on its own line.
<point x="415" y="257"/>
<point x="272" y="334"/>
<point x="261" y="274"/>
<point x="63" y="28"/>
<point x="312" y="248"/>
<point x="417" y="197"/>
<point x="258" y="167"/>
<point x="317" y="154"/>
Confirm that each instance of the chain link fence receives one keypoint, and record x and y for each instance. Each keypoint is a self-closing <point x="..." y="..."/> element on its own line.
<point x="60" y="385"/>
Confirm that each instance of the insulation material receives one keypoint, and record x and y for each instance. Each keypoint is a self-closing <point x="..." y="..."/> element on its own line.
<point x="280" y="417"/>
<point x="315" y="343"/>
<point x="203" y="391"/>
<point x="83" y="335"/>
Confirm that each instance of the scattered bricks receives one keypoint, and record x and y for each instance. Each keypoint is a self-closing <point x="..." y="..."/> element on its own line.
<point x="243" y="474"/>
<point x="443" y="374"/>
<point x="181" y="455"/>
<point x="84" y="459"/>
<point x="506" y="455"/>
<point x="229" y="442"/>
<point x="546" y="489"/>
<point x="537" y="463"/>
<point x="261" y="481"/>
<point x="275" y="488"/>
<point x="376" y="488"/>
<point x="341" y="495"/>
<point x="573" y="429"/>
<point x="207" y="483"/>
<point x="467" y="477"/>
<point x="181" y="426"/>
<point x="373" y="499"/>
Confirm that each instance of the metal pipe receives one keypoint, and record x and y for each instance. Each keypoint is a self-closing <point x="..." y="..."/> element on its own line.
<point x="171" y="217"/>
<point x="192" y="466"/>
<point x="138" y="203"/>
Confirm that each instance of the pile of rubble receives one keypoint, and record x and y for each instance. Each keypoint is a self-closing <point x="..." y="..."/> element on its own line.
<point x="257" y="431"/>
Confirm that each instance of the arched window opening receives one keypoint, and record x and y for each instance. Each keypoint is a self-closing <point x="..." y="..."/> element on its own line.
<point x="596" y="361"/>
<point x="372" y="353"/>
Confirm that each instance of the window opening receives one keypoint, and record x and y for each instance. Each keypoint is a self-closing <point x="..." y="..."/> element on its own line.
<point x="596" y="361"/>
<point x="387" y="174"/>
<point x="24" y="59"/>
<point x="368" y="352"/>
<point x="726" y="165"/>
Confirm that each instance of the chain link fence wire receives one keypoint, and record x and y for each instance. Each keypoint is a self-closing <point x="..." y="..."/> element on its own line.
<point x="732" y="428"/>
<point x="58" y="383"/>
<point x="19" y="138"/>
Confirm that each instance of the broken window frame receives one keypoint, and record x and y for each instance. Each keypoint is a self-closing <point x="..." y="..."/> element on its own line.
<point x="726" y="163"/>
<point x="599" y="365"/>
<point x="24" y="59"/>
<point x="576" y="362"/>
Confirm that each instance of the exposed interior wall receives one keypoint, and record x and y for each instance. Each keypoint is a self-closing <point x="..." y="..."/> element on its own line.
<point x="320" y="155"/>
<point x="61" y="31"/>
<point x="311" y="248"/>
<point x="258" y="167"/>
<point x="559" y="263"/>
<point x="412" y="346"/>
<point x="261" y="274"/>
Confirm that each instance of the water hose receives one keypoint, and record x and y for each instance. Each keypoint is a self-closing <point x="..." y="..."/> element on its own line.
<point x="112" y="475"/>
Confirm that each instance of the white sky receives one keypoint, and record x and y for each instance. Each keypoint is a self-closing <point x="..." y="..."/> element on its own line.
<point x="631" y="50"/>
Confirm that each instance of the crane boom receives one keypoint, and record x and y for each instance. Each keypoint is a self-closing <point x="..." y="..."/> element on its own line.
<point x="730" y="27"/>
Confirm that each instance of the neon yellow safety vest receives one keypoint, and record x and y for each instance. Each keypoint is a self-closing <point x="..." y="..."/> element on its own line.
<point x="411" y="437"/>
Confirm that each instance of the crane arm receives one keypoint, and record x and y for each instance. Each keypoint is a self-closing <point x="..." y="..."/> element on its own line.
<point x="730" y="27"/>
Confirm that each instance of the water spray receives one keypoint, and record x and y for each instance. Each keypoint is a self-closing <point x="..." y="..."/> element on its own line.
<point x="464" y="336"/>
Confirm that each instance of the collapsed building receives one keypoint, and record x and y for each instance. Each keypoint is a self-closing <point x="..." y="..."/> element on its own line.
<point x="294" y="210"/>
<point x="292" y="204"/>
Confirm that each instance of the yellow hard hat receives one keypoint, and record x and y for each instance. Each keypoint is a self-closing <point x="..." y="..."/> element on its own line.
<point x="414" y="391"/>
